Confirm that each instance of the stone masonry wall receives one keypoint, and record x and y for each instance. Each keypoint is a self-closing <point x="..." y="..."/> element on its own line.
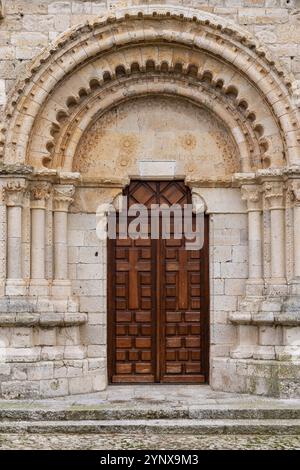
<point x="28" y="26"/>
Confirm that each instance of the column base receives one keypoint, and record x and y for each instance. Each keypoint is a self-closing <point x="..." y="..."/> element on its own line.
<point x="39" y="287"/>
<point x="15" y="287"/>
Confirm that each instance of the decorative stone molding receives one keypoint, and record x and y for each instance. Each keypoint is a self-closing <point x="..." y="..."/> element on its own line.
<point x="63" y="197"/>
<point x="274" y="194"/>
<point x="14" y="192"/>
<point x="295" y="189"/>
<point x="204" y="40"/>
<point x="252" y="195"/>
<point x="40" y="192"/>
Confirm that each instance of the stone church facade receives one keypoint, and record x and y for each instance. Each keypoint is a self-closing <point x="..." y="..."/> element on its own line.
<point x="96" y="95"/>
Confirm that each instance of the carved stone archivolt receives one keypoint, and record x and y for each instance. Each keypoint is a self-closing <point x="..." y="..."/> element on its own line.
<point x="182" y="59"/>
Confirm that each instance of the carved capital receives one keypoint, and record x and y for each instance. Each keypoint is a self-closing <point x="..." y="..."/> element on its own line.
<point x="40" y="192"/>
<point x="63" y="197"/>
<point x="252" y="195"/>
<point x="295" y="191"/>
<point x="274" y="194"/>
<point x="14" y="192"/>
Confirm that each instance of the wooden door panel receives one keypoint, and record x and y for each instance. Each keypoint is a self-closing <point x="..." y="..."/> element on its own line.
<point x="158" y="300"/>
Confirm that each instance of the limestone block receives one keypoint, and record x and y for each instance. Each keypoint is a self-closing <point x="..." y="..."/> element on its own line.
<point x="41" y="371"/>
<point x="218" y="316"/>
<point x="19" y="372"/>
<point x="247" y="335"/>
<point x="38" y="23"/>
<point x="7" y="52"/>
<point x="222" y="253"/>
<point x="99" y="382"/>
<point x="234" y="270"/>
<point x="76" y="237"/>
<point x="218" y="287"/>
<point x="23" y="354"/>
<point x="74" y="352"/>
<point x="81" y="7"/>
<point x="235" y="287"/>
<point x="54" y="388"/>
<point x="93" y="334"/>
<point x="97" y="318"/>
<point x="88" y="271"/>
<point x="89" y="255"/>
<point x="20" y="389"/>
<point x="91" y="238"/>
<point x="92" y="304"/>
<point x="291" y="336"/>
<point x="223" y="334"/>
<point x="87" y="287"/>
<point x="239" y="254"/>
<point x="60" y="8"/>
<point x="30" y="39"/>
<point x="96" y="351"/>
<point x="227" y="303"/>
<point x="60" y="370"/>
<point x="81" y="385"/>
<point x="264" y="352"/>
<point x="270" y="335"/>
<point x="5" y="370"/>
<point x="227" y="236"/>
<point x="68" y="336"/>
<point x="51" y="353"/>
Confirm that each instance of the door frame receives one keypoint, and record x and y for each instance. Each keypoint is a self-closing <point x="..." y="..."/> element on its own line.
<point x="205" y="317"/>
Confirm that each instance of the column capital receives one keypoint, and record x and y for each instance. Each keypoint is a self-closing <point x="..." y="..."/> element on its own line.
<point x="63" y="197"/>
<point x="40" y="192"/>
<point x="294" y="187"/>
<point x="251" y="193"/>
<point x="14" y="192"/>
<point x="274" y="194"/>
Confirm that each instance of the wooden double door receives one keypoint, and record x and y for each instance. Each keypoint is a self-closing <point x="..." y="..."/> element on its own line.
<point x="158" y="295"/>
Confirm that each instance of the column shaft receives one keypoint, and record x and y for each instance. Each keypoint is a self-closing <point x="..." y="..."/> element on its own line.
<point x="14" y="242"/>
<point x="60" y="245"/>
<point x="277" y="243"/>
<point x="38" y="243"/>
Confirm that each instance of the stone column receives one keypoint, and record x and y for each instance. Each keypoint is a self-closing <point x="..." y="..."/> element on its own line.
<point x="274" y="195"/>
<point x="63" y="197"/>
<point x="296" y="193"/>
<point x="3" y="235"/>
<point x="15" y="284"/>
<point x="39" y="194"/>
<point x="252" y="195"/>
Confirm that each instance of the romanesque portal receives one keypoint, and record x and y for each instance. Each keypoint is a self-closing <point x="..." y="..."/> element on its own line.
<point x="160" y="94"/>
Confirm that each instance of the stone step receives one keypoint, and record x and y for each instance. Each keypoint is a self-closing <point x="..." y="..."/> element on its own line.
<point x="162" y="426"/>
<point x="105" y="412"/>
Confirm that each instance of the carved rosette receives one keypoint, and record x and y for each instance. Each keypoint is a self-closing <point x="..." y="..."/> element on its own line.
<point x="14" y="192"/>
<point x="63" y="197"/>
<point x="274" y="194"/>
<point x="252" y="195"/>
